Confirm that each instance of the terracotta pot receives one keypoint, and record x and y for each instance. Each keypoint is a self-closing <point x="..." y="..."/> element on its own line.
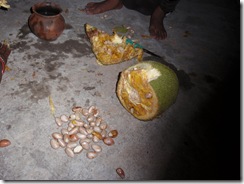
<point x="46" y="21"/>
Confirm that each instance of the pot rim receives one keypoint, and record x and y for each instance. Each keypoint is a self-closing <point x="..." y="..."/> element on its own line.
<point x="45" y="4"/>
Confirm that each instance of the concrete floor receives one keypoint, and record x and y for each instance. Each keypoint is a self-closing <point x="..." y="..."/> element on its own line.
<point x="198" y="138"/>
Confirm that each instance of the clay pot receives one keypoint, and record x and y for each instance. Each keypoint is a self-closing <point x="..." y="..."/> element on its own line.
<point x="46" y="21"/>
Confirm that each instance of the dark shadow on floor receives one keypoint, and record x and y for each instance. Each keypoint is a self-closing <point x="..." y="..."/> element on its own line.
<point x="210" y="145"/>
<point x="218" y="126"/>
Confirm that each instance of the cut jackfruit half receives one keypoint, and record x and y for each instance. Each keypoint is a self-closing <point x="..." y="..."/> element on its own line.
<point x="147" y="89"/>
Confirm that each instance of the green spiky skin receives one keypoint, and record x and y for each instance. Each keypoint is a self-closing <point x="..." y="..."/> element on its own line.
<point x="165" y="86"/>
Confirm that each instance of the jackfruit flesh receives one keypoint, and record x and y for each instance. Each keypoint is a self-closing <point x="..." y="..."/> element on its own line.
<point x="137" y="94"/>
<point x="3" y="3"/>
<point x="111" y="49"/>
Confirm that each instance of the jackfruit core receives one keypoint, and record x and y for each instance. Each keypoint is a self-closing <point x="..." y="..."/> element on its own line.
<point x="137" y="95"/>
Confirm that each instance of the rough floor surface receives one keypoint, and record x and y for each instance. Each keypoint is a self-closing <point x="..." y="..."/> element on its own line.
<point x="197" y="138"/>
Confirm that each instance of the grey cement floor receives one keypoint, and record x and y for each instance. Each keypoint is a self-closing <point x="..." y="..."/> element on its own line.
<point x="198" y="138"/>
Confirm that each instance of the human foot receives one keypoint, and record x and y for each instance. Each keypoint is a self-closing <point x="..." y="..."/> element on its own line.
<point x="156" y="27"/>
<point x="100" y="7"/>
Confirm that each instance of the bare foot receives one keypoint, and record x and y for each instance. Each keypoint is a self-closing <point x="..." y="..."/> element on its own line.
<point x="100" y="7"/>
<point x="156" y="27"/>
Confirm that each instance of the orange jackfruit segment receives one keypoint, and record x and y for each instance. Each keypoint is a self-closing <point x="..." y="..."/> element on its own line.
<point x="111" y="49"/>
<point x="136" y="94"/>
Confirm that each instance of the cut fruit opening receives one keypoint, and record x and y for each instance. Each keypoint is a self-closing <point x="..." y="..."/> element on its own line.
<point x="147" y="89"/>
<point x="136" y="93"/>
